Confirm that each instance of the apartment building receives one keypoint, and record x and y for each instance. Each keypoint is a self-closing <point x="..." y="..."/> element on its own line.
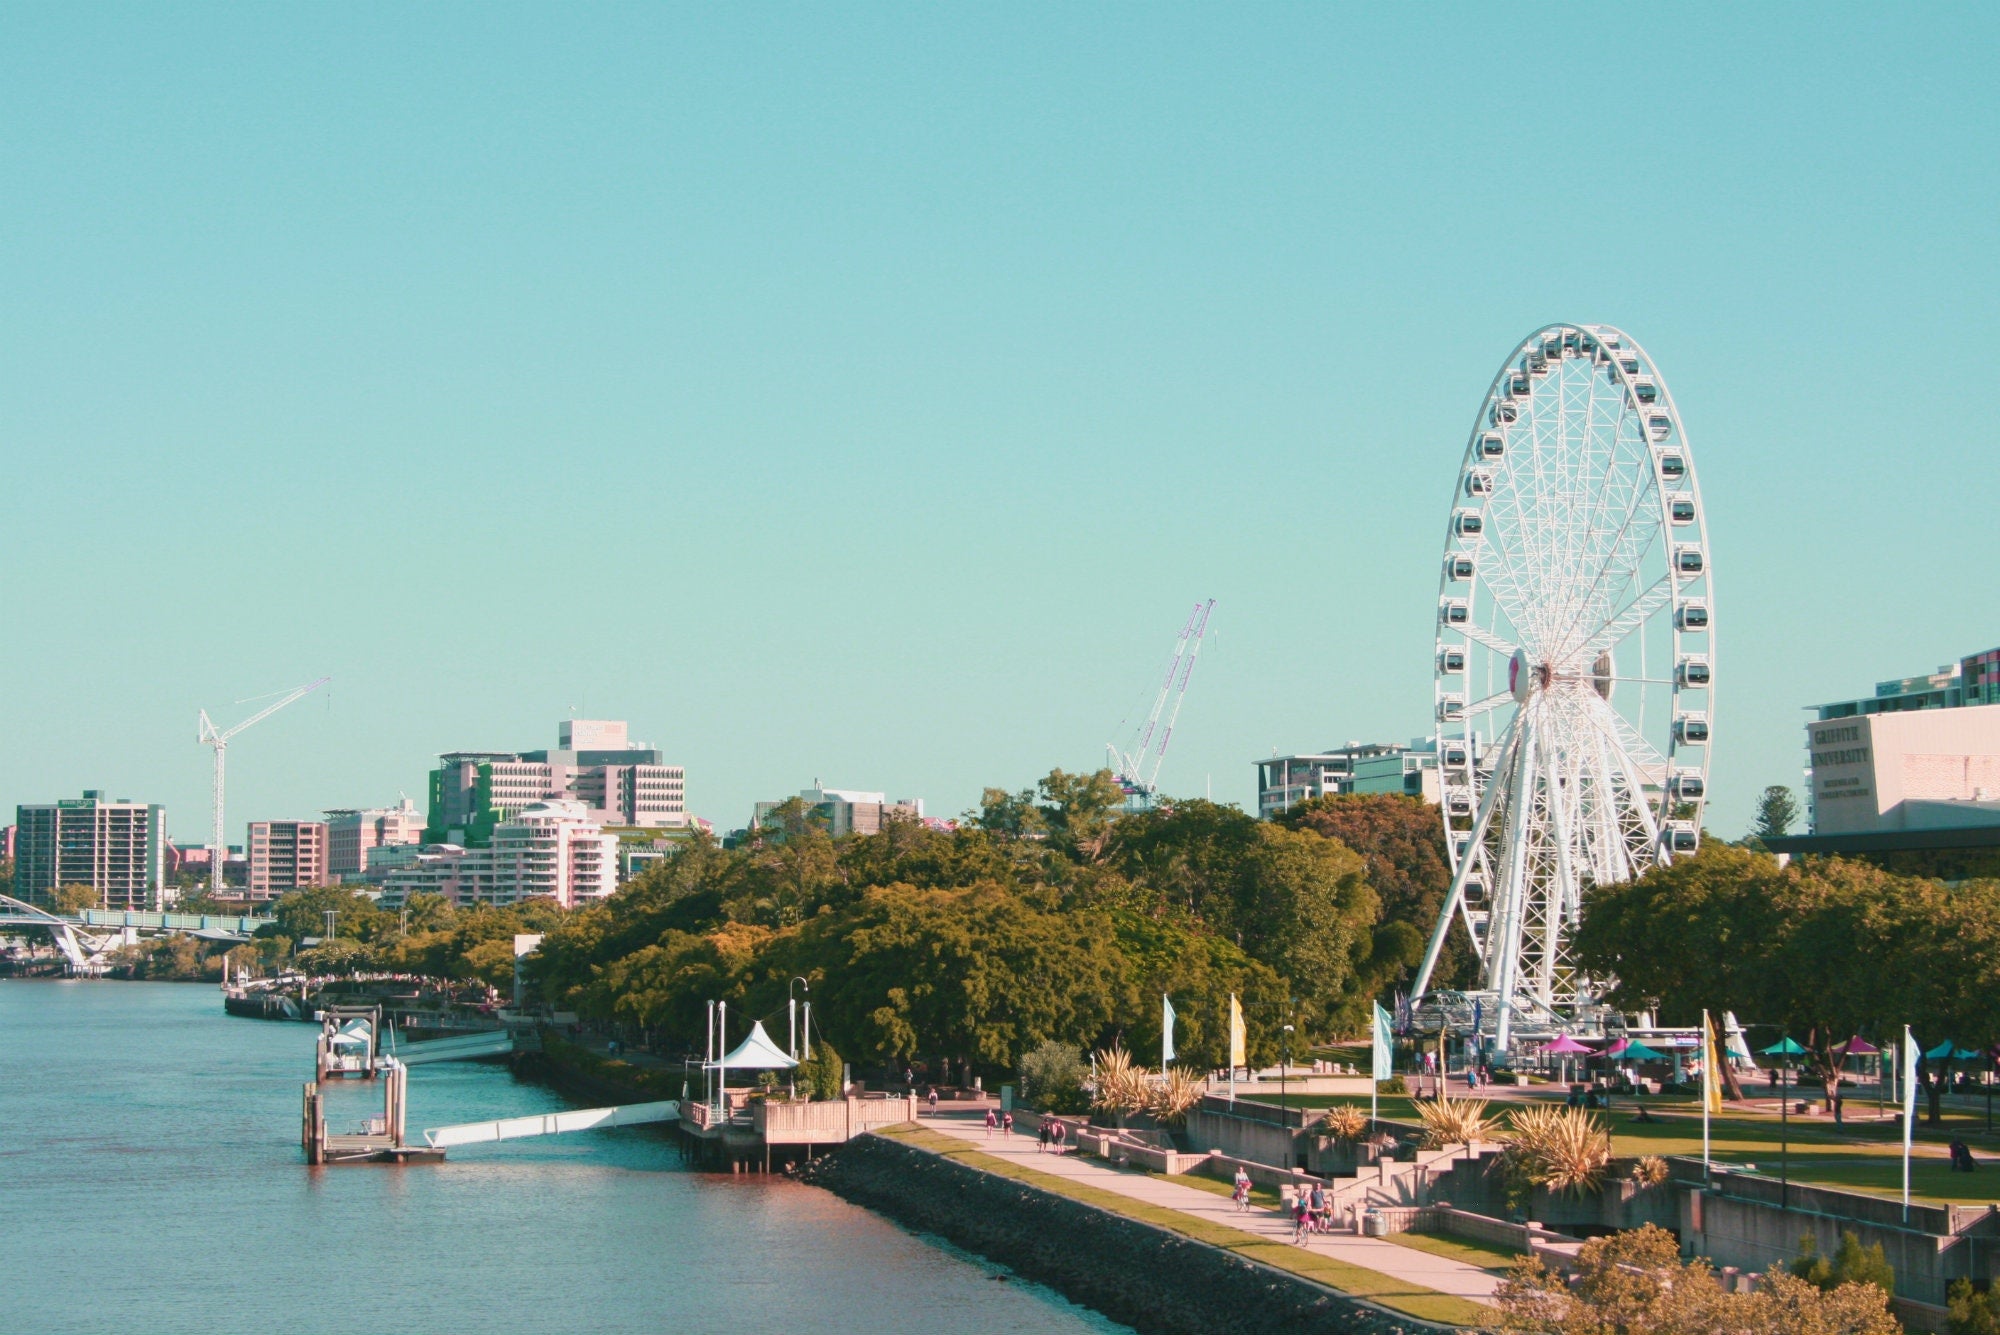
<point x="116" y="848"/>
<point x="595" y="764"/>
<point x="286" y="855"/>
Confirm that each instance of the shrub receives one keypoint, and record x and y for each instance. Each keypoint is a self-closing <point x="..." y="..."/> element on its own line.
<point x="1970" y="1312"/>
<point x="1566" y="1150"/>
<point x="1650" y="1171"/>
<point x="1121" y="1085"/>
<point x="1175" y="1096"/>
<point x="1851" y="1263"/>
<point x="1453" y="1121"/>
<point x="1345" y="1122"/>
<point x="1393" y="1085"/>
<point x="819" y="1074"/>
<point x="1052" y="1078"/>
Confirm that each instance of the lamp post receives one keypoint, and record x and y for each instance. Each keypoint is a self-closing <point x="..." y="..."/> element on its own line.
<point x="792" y="1026"/>
<point x="1284" y="1069"/>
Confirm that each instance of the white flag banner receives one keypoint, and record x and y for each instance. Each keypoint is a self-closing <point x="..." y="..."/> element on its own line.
<point x="1166" y="1030"/>
<point x="1910" y="1055"/>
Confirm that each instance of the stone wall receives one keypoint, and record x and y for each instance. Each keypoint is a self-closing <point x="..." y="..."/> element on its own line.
<point x="1156" y="1281"/>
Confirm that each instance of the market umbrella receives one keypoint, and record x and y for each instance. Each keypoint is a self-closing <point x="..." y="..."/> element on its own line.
<point x="1639" y="1052"/>
<point x="1858" y="1047"/>
<point x="1949" y="1051"/>
<point x="1565" y="1046"/>
<point x="1618" y="1048"/>
<point x="1784" y="1047"/>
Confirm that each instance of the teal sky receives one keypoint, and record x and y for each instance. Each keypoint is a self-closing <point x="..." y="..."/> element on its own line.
<point x="865" y="393"/>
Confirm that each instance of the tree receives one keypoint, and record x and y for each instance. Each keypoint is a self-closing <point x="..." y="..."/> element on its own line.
<point x="819" y="1074"/>
<point x="1052" y="1077"/>
<point x="1078" y="810"/>
<point x="1776" y="810"/>
<point x="1970" y="1312"/>
<point x="6" y="876"/>
<point x="1635" y="1283"/>
<point x="74" y="899"/>
<point x="1851" y="1263"/>
<point x="1307" y="905"/>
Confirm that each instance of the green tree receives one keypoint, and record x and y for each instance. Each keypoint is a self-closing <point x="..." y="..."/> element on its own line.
<point x="1970" y="1312"/>
<point x="1013" y="815"/>
<point x="1307" y="910"/>
<point x="819" y="1074"/>
<point x="1776" y="810"/>
<point x="1079" y="810"/>
<point x="74" y="899"/>
<point x="1052" y="1076"/>
<point x="1851" y="1263"/>
<point x="6" y="876"/>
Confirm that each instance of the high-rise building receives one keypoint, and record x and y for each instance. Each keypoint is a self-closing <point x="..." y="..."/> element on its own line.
<point x="352" y="831"/>
<point x="1359" y="767"/>
<point x="286" y="855"/>
<point x="846" y="810"/>
<point x="620" y="782"/>
<point x="551" y="850"/>
<point x="116" y="848"/>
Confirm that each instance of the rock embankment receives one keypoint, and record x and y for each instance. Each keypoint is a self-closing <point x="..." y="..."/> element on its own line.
<point x="1153" y="1280"/>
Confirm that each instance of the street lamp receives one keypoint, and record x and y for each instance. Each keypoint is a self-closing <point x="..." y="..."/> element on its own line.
<point x="792" y="1025"/>
<point x="1284" y="1069"/>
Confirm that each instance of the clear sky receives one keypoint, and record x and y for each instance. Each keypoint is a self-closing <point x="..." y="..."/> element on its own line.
<point x="865" y="393"/>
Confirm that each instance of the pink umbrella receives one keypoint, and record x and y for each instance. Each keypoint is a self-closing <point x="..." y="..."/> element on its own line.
<point x="1566" y="1046"/>
<point x="1858" y="1047"/>
<point x="1618" y="1047"/>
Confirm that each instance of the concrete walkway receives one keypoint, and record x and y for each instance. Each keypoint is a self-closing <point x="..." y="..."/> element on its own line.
<point x="1404" y="1263"/>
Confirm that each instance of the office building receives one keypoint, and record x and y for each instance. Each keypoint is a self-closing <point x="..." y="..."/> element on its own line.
<point x="116" y="848"/>
<point x="286" y="855"/>
<point x="352" y="831"/>
<point x="551" y="850"/>
<point x="845" y="810"/>
<point x="1372" y="767"/>
<point x="620" y="782"/>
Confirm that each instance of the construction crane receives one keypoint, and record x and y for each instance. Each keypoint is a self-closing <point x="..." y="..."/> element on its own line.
<point x="1138" y="770"/>
<point x="210" y="735"/>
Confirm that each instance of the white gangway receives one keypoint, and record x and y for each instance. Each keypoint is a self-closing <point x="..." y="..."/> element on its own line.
<point x="550" y="1124"/>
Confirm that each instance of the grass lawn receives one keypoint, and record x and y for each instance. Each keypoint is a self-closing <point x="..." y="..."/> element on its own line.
<point x="1428" y="1304"/>
<point x="1485" y="1255"/>
<point x="1265" y="1196"/>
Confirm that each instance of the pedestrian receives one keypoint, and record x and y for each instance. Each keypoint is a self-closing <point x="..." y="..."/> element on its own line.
<point x="1061" y="1134"/>
<point x="1318" y="1207"/>
<point x="1043" y="1147"/>
<point x="933" y="1100"/>
<point x="1299" y="1216"/>
<point x="1242" y="1193"/>
<point x="1839" y="1100"/>
<point x="1007" y="1123"/>
<point x="991" y="1121"/>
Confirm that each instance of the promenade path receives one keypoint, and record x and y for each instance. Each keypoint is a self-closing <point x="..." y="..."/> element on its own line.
<point x="1441" y="1273"/>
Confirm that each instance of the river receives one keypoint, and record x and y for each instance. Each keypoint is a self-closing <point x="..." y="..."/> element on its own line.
<point x="151" y="1181"/>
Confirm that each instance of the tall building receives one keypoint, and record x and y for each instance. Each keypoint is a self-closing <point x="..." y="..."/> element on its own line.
<point x="846" y="810"/>
<point x="352" y="831"/>
<point x="551" y="850"/>
<point x="1371" y="767"/>
<point x="286" y="855"/>
<point x="116" y="848"/>
<point x="620" y="782"/>
<point x="1914" y="766"/>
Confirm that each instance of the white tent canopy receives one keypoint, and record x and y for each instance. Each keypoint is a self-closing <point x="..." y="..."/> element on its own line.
<point x="756" y="1053"/>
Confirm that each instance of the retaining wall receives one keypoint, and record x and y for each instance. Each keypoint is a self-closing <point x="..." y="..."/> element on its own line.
<point x="1154" y="1280"/>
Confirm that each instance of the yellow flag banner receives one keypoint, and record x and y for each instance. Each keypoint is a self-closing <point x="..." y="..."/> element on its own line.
<point x="1238" y="1037"/>
<point x="1711" y="1065"/>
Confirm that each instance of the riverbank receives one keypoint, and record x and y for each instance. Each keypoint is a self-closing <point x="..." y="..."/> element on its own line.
<point x="1163" y="1276"/>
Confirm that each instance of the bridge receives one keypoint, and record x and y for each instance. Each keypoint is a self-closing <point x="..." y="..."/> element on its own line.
<point x="551" y="1124"/>
<point x="84" y="939"/>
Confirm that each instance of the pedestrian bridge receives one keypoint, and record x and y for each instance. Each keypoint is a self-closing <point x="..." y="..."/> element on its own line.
<point x="550" y="1124"/>
<point x="458" y="1048"/>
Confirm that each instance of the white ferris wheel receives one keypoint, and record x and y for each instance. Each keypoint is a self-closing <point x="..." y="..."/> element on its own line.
<point x="1574" y="666"/>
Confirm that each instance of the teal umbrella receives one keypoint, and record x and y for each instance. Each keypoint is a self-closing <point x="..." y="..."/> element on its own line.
<point x="1784" y="1047"/>
<point x="1639" y="1052"/>
<point x="1950" y="1051"/>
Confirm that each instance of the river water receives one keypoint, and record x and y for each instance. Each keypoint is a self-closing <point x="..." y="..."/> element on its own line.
<point x="151" y="1181"/>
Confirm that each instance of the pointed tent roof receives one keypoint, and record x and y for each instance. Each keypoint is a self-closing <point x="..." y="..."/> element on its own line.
<point x="757" y="1053"/>
<point x="1565" y="1045"/>
<point x="1639" y="1052"/>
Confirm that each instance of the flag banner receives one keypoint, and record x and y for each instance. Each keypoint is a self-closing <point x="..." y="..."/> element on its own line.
<point x="1384" y="1052"/>
<point x="1166" y="1030"/>
<point x="1711" y="1066"/>
<point x="1910" y="1055"/>
<point x="1238" y="1038"/>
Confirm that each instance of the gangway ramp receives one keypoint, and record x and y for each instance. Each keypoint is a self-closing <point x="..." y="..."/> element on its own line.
<point x="550" y="1124"/>
<point x="459" y="1047"/>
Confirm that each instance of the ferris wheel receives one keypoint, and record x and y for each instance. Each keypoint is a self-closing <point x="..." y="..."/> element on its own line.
<point x="1574" y="668"/>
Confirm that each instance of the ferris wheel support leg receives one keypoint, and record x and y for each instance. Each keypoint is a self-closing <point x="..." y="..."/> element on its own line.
<point x="1507" y="937"/>
<point x="1455" y="897"/>
<point x="1561" y="904"/>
